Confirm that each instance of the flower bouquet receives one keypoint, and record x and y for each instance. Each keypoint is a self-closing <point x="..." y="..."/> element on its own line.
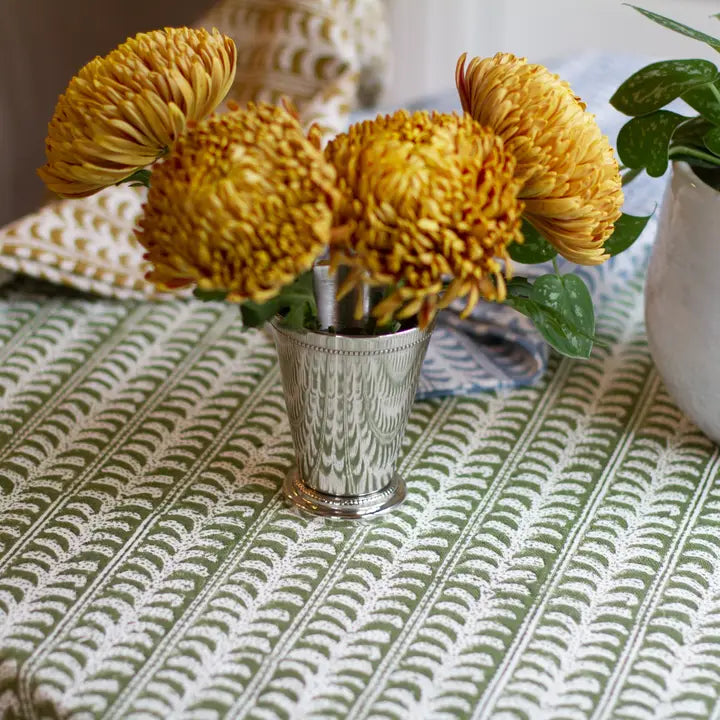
<point x="406" y="214"/>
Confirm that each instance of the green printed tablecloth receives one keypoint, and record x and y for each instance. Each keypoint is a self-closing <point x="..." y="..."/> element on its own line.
<point x="558" y="555"/>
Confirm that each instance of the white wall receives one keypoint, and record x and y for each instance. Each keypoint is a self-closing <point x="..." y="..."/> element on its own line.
<point x="429" y="35"/>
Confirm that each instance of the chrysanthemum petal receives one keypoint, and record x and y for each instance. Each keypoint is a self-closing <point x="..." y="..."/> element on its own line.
<point x="571" y="181"/>
<point x="428" y="198"/>
<point x="128" y="107"/>
<point x="243" y="202"/>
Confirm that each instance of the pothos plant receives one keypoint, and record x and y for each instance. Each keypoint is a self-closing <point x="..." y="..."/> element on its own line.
<point x="657" y="135"/>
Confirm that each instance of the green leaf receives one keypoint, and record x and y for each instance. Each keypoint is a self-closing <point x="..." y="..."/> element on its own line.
<point x="535" y="249"/>
<point x="644" y="142"/>
<point x="630" y="175"/>
<point x="712" y="141"/>
<point x="257" y="314"/>
<point x="569" y="296"/>
<point x="210" y="295"/>
<point x="561" y="309"/>
<point x="692" y="131"/>
<point x="295" y="316"/>
<point x="295" y="302"/>
<point x="519" y="287"/>
<point x="627" y="230"/>
<point x="140" y="177"/>
<point x="688" y="144"/>
<point x="658" y="84"/>
<point x="678" y="27"/>
<point x="705" y="99"/>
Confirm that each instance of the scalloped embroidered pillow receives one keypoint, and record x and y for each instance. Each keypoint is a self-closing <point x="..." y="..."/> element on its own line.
<point x="330" y="57"/>
<point x="87" y="244"/>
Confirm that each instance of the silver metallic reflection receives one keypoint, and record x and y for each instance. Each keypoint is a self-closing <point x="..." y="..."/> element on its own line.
<point x="348" y="399"/>
<point x="340" y="315"/>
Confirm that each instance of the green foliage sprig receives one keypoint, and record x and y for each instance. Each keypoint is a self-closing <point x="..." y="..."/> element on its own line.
<point x="560" y="306"/>
<point x="655" y="136"/>
<point x="295" y="302"/>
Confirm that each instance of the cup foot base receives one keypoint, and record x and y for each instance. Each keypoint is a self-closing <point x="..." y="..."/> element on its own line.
<point x="351" y="507"/>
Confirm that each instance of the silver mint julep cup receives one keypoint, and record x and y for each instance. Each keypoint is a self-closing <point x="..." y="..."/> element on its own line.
<point x="348" y="400"/>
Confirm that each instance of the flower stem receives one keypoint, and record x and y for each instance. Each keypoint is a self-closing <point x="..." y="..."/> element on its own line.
<point x="695" y="153"/>
<point x="715" y="91"/>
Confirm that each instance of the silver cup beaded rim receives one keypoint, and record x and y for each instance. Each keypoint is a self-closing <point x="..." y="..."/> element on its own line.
<point x="348" y="399"/>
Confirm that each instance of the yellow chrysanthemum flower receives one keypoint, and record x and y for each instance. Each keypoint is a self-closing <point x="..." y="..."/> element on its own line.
<point x="425" y="198"/>
<point x="570" y="178"/>
<point x="122" y="111"/>
<point x="243" y="202"/>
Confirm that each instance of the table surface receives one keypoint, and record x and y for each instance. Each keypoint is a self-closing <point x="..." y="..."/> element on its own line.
<point x="558" y="554"/>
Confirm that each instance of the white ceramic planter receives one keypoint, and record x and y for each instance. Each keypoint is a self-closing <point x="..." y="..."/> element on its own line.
<point x="682" y="298"/>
